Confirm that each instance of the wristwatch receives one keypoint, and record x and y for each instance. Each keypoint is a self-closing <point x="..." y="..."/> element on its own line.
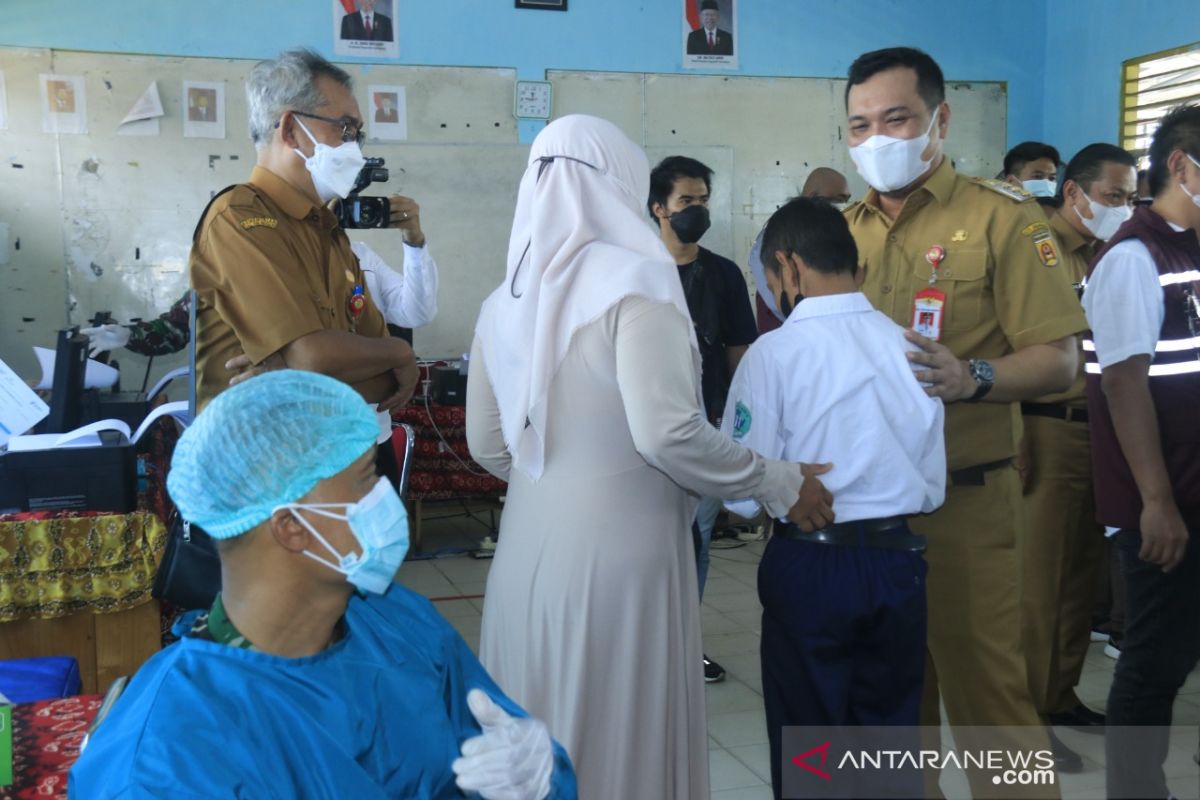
<point x="984" y="377"/>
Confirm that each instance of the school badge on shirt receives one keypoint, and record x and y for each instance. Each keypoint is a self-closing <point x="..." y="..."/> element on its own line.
<point x="741" y="421"/>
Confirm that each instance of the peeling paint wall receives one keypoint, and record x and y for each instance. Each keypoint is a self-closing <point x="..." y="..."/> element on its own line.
<point x="105" y="221"/>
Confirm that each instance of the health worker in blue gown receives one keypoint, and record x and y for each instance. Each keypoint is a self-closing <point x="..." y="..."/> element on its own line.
<point x="313" y="675"/>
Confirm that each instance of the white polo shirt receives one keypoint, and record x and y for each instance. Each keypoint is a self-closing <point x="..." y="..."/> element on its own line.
<point x="834" y="385"/>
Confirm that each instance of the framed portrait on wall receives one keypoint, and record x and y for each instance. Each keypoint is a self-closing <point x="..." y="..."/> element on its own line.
<point x="64" y="104"/>
<point x="203" y="109"/>
<point x="710" y="34"/>
<point x="366" y="28"/>
<point x="545" y="5"/>
<point x="387" y="118"/>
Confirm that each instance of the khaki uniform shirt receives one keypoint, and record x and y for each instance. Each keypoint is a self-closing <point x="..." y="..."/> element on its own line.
<point x="270" y="266"/>
<point x="1004" y="284"/>
<point x="1077" y="253"/>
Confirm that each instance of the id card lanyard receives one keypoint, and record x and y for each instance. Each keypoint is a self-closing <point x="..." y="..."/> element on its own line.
<point x="929" y="305"/>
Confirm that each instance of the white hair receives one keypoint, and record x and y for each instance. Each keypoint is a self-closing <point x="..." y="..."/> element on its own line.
<point x="287" y="83"/>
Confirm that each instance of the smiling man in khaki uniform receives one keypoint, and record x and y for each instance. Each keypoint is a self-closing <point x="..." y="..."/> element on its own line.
<point x="971" y="263"/>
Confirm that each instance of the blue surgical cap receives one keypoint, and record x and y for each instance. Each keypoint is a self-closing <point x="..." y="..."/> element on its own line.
<point x="263" y="443"/>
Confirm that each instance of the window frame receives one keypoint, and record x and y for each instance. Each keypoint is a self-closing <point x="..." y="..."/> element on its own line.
<point x="1127" y="122"/>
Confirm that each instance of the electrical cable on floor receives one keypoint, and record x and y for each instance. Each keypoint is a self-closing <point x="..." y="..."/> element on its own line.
<point x="446" y="444"/>
<point x="445" y="552"/>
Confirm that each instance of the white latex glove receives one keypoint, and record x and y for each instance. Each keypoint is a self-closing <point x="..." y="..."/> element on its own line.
<point x="106" y="337"/>
<point x="512" y="760"/>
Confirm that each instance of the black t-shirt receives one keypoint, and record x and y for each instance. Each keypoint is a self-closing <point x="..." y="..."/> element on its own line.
<point x="719" y="303"/>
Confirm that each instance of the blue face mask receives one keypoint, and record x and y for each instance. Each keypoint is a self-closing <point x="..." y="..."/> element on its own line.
<point x="1040" y="187"/>
<point x="379" y="523"/>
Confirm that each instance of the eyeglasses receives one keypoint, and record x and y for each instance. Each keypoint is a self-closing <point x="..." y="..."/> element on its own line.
<point x="351" y="128"/>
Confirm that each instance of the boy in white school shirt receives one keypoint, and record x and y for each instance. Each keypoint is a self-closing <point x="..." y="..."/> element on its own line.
<point x="844" y="615"/>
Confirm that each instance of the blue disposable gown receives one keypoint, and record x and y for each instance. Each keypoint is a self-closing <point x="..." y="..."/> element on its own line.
<point x="380" y="714"/>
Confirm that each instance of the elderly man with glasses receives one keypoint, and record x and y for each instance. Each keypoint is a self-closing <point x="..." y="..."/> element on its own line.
<point x="276" y="281"/>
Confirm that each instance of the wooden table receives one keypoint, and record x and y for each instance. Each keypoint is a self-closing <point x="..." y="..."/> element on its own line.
<point x="78" y="583"/>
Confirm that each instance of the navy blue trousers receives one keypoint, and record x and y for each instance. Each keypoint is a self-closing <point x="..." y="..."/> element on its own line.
<point x="843" y="637"/>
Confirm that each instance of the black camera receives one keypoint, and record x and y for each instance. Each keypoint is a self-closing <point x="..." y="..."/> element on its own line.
<point x="366" y="212"/>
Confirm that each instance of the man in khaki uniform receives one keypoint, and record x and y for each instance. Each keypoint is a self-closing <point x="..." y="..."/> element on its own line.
<point x="275" y="279"/>
<point x="1065" y="552"/>
<point x="970" y="263"/>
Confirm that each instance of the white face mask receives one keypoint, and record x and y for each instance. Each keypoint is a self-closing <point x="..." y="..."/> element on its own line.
<point x="888" y="163"/>
<point x="1105" y="219"/>
<point x="379" y="523"/>
<point x="1041" y="187"/>
<point x="334" y="169"/>
<point x="1195" y="198"/>
<point x="841" y="206"/>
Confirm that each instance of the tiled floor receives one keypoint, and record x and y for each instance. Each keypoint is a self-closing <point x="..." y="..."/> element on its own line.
<point x="738" y="762"/>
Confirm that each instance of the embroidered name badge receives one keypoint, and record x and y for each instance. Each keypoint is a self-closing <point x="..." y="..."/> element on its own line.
<point x="741" y="421"/>
<point x="258" y="222"/>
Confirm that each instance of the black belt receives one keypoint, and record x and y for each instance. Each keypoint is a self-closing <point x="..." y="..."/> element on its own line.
<point x="975" y="476"/>
<point x="1055" y="411"/>
<point x="881" y="533"/>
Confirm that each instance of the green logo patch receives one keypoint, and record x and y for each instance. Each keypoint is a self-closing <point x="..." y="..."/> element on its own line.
<point x="6" y="753"/>
<point x="741" y="421"/>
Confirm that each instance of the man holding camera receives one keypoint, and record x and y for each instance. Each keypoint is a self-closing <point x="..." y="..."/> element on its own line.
<point x="274" y="273"/>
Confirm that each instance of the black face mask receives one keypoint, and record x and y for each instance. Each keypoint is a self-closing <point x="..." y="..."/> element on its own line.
<point x="787" y="304"/>
<point x="690" y="224"/>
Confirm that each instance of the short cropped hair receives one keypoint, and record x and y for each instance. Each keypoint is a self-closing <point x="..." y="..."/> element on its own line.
<point x="671" y="169"/>
<point x="930" y="83"/>
<point x="814" y="230"/>
<point x="1086" y="166"/>
<point x="1178" y="130"/>
<point x="1016" y="159"/>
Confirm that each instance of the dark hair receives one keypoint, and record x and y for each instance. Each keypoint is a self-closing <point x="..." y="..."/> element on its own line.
<point x="930" y="83"/>
<point x="1087" y="165"/>
<point x="815" y="231"/>
<point x="1178" y="130"/>
<point x="1016" y="159"/>
<point x="669" y="170"/>
<point x="710" y="5"/>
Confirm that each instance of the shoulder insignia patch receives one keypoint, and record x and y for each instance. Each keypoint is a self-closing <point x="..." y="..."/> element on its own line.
<point x="1047" y="251"/>
<point x="1003" y="187"/>
<point x="1034" y="228"/>
<point x="258" y="222"/>
<point x="741" y="421"/>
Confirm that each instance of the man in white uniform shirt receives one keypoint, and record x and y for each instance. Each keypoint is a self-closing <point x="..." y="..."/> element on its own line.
<point x="844" y="614"/>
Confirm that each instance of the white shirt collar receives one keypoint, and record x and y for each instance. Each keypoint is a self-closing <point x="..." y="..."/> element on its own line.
<point x="831" y="305"/>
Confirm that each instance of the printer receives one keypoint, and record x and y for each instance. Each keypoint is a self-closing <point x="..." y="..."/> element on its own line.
<point x="94" y="470"/>
<point x="96" y="477"/>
